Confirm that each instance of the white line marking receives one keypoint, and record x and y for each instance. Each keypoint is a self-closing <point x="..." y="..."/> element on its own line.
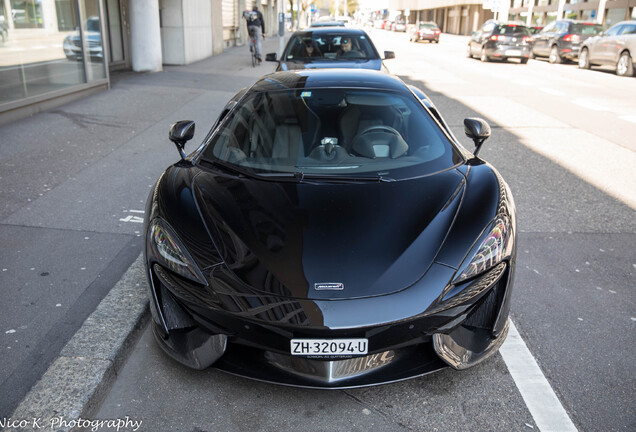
<point x="133" y="219"/>
<point x="589" y="104"/>
<point x="136" y="211"/>
<point x="543" y="403"/>
<point x="628" y="118"/>
<point x="553" y="92"/>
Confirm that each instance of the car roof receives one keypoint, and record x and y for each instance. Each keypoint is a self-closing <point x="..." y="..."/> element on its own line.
<point x="336" y="78"/>
<point x="328" y="30"/>
<point x="327" y="24"/>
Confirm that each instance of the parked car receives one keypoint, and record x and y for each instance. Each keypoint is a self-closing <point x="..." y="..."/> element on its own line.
<point x="72" y="44"/>
<point x="502" y="41"/>
<point x="339" y="47"/>
<point x="399" y="25"/>
<point x="425" y="31"/>
<point x="330" y="232"/>
<point x="615" y="47"/>
<point x="561" y="40"/>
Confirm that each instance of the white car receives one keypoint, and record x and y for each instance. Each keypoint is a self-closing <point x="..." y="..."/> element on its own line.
<point x="615" y="47"/>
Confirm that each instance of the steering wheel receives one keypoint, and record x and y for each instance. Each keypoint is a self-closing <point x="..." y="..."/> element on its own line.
<point x="354" y="53"/>
<point x="383" y="128"/>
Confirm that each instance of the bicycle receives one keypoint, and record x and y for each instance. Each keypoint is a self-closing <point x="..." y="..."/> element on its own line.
<point x="253" y="51"/>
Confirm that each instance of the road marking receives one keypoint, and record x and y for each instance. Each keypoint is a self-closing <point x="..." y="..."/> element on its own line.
<point x="589" y="104"/>
<point x="542" y="402"/>
<point x="137" y="211"/>
<point x="552" y="91"/>
<point x="134" y="219"/>
<point x="628" y="118"/>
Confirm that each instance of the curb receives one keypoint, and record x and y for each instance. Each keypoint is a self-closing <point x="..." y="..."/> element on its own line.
<point x="75" y="384"/>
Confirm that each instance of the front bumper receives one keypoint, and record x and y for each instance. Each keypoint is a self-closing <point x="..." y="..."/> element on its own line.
<point x="461" y="327"/>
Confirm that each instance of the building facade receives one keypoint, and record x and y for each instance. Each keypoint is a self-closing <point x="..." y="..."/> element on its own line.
<point x="465" y="16"/>
<point x="55" y="51"/>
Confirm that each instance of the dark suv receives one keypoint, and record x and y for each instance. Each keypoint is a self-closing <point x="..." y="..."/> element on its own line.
<point x="561" y="40"/>
<point x="497" y="40"/>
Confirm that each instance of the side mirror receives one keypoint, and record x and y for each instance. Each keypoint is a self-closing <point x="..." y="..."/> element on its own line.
<point x="270" y="57"/>
<point x="389" y="55"/>
<point x="477" y="130"/>
<point x="180" y="133"/>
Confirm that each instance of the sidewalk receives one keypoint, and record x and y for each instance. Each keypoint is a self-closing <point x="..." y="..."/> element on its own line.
<point x="125" y="127"/>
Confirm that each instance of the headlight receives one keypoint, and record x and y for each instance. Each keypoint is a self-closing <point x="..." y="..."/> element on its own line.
<point x="170" y="252"/>
<point x="495" y="247"/>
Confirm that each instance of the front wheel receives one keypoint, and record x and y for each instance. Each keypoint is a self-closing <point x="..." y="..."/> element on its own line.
<point x="524" y="60"/>
<point x="469" y="54"/>
<point x="625" y="67"/>
<point x="584" y="59"/>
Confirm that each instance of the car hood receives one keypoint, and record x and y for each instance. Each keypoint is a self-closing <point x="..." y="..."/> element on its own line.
<point x="327" y="241"/>
<point x="375" y="64"/>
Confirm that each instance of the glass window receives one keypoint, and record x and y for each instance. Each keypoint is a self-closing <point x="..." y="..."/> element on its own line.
<point x="330" y="46"/>
<point x="615" y="15"/>
<point x="629" y="29"/>
<point x="332" y="132"/>
<point x="92" y="32"/>
<point x="586" y="29"/>
<point x="40" y="51"/>
<point x="614" y="31"/>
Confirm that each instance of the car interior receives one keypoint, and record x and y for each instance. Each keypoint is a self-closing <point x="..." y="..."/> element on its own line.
<point x="329" y="46"/>
<point x="329" y="129"/>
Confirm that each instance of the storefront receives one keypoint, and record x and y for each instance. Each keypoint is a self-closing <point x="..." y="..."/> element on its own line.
<point x="52" y="49"/>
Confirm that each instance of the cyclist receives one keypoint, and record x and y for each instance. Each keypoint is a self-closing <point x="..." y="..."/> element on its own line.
<point x="255" y="28"/>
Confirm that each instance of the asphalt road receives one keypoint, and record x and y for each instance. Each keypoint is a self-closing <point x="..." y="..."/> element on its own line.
<point x="562" y="138"/>
<point x="73" y="183"/>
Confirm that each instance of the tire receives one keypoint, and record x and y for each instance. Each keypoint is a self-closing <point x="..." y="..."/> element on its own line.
<point x="524" y="61"/>
<point x="483" y="56"/>
<point x="624" y="66"/>
<point x="468" y="53"/>
<point x="554" y="58"/>
<point x="584" y="59"/>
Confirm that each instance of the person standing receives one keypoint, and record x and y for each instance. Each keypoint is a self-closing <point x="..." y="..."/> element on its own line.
<point x="256" y="29"/>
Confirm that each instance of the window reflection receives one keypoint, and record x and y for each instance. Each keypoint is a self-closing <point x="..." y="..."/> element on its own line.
<point x="43" y="46"/>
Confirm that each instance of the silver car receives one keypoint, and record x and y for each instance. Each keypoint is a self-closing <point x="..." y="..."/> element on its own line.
<point x="615" y="47"/>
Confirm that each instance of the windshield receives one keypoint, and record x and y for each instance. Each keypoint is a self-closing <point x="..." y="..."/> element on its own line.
<point x="512" y="30"/>
<point x="332" y="132"/>
<point x="330" y="46"/>
<point x="586" y="29"/>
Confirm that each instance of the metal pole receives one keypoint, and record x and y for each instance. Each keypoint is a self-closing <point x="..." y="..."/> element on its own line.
<point x="298" y="15"/>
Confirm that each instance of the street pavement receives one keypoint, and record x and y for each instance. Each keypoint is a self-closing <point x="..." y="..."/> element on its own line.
<point x="73" y="183"/>
<point x="573" y="302"/>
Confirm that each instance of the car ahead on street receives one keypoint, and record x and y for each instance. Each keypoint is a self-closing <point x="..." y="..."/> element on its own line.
<point x="501" y="41"/>
<point x="561" y="39"/>
<point x="425" y="31"/>
<point x="327" y="24"/>
<point x="330" y="232"/>
<point x="616" y="47"/>
<point x="330" y="47"/>
<point x="398" y="25"/>
<point x="72" y="44"/>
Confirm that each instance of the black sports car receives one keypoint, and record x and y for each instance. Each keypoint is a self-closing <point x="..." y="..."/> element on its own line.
<point x="330" y="232"/>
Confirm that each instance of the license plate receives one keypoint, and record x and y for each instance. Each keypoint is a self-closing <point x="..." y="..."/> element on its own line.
<point x="513" y="52"/>
<point x="329" y="347"/>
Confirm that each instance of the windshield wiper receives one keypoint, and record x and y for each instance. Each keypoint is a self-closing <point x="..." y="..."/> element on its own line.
<point x="301" y="177"/>
<point x="231" y="168"/>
